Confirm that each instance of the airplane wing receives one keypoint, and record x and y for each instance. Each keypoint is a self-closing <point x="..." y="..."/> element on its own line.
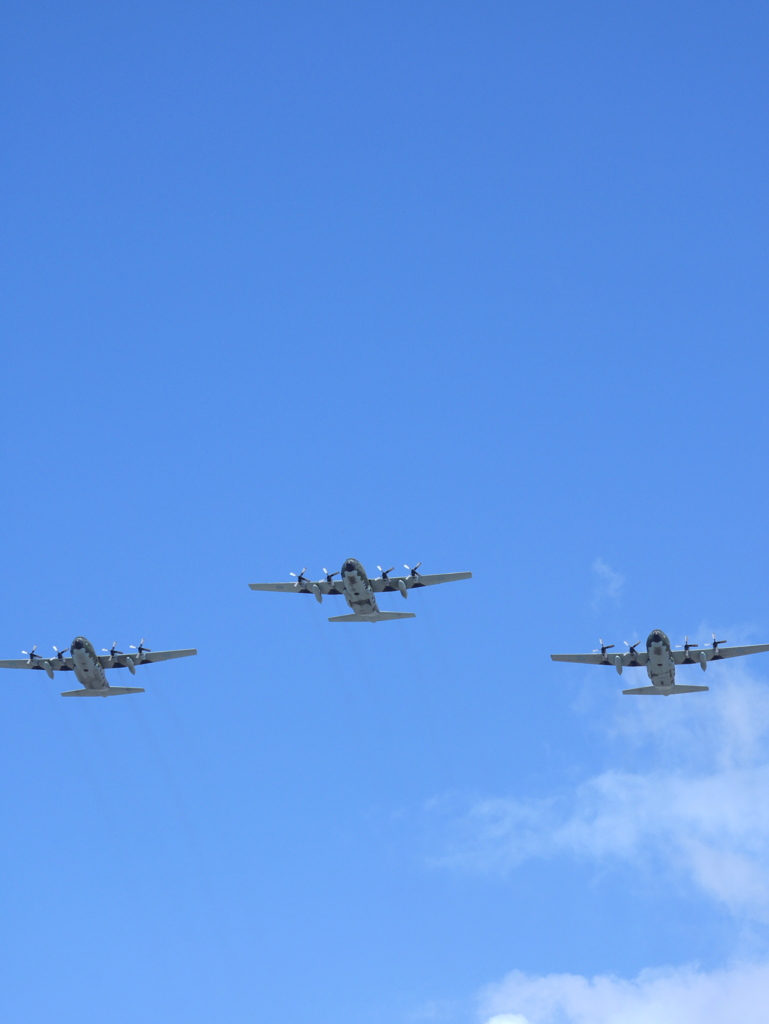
<point x="38" y="663"/>
<point x="681" y="658"/>
<point x="147" y="658"/>
<point x="628" y="661"/>
<point x="300" y="588"/>
<point x="279" y="588"/>
<point x="412" y="582"/>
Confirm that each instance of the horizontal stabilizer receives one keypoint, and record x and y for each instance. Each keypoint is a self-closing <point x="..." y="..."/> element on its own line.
<point x="375" y="617"/>
<point x="109" y="691"/>
<point x="657" y="691"/>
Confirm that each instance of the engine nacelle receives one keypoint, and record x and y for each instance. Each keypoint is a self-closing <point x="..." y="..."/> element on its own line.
<point x="318" y="595"/>
<point x="618" y="663"/>
<point x="703" y="660"/>
<point x="403" y="588"/>
<point x="130" y="666"/>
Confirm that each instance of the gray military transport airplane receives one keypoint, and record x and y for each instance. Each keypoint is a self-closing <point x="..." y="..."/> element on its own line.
<point x="89" y="666"/>
<point x="359" y="591"/>
<point x="661" y="661"/>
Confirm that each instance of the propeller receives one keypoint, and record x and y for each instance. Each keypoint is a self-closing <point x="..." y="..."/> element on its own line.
<point x="632" y="647"/>
<point x="31" y="654"/>
<point x="716" y="642"/>
<point x="385" y="572"/>
<point x="412" y="571"/>
<point x="60" y="653"/>
<point x="604" y="648"/>
<point x="329" y="575"/>
<point x="300" y="578"/>
<point x="686" y="645"/>
<point x="141" y="648"/>
<point x="113" y="650"/>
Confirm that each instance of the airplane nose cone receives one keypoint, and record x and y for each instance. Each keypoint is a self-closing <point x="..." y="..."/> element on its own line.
<point x="658" y="636"/>
<point x="77" y="645"/>
<point x="349" y="565"/>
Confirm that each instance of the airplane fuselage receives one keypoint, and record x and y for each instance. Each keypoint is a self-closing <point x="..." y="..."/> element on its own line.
<point x="357" y="589"/>
<point x="86" y="664"/>
<point x="660" y="666"/>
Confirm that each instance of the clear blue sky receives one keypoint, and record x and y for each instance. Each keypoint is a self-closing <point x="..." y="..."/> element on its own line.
<point x="478" y="284"/>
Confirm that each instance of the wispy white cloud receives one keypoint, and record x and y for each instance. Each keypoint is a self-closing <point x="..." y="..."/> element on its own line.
<point x="683" y="995"/>
<point x="507" y="1018"/>
<point x="609" y="583"/>
<point x="701" y="812"/>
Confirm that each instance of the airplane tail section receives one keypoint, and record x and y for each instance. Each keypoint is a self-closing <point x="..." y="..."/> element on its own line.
<point x="658" y="692"/>
<point x="375" y="617"/>
<point x="109" y="691"/>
